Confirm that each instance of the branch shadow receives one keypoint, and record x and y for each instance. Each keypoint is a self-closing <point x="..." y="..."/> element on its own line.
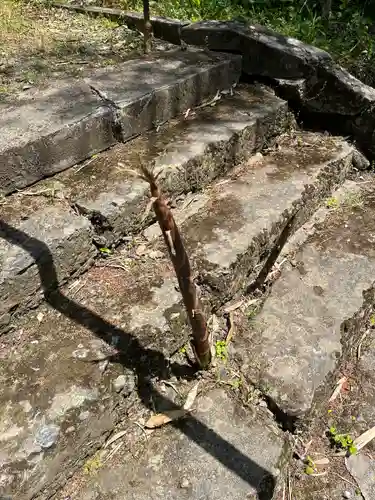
<point x="132" y="356"/>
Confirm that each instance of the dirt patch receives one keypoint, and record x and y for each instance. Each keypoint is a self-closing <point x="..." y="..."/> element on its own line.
<point x="39" y="43"/>
<point x="349" y="415"/>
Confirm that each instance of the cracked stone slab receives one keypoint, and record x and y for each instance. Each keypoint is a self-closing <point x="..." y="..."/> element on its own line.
<point x="53" y="233"/>
<point x="220" y="452"/>
<point x="148" y="91"/>
<point x="318" y="306"/>
<point x="50" y="130"/>
<point x="238" y="221"/>
<point x="189" y="153"/>
<point x="57" y="404"/>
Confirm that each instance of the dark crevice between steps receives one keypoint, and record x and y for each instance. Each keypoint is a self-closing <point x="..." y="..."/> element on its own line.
<point x="103" y="229"/>
<point x="288" y="423"/>
<point x="258" y="283"/>
<point x="314" y="121"/>
<point x="116" y="113"/>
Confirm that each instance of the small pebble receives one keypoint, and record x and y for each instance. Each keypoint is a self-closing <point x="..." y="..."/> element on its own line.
<point x="347" y="494"/>
<point x="81" y="353"/>
<point x="119" y="383"/>
<point x="47" y="435"/>
<point x="185" y="483"/>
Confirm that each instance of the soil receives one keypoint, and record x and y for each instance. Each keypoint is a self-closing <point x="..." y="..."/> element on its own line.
<point x="38" y="44"/>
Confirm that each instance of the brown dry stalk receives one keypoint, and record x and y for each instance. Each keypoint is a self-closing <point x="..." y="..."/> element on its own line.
<point x="182" y="268"/>
<point x="147" y="27"/>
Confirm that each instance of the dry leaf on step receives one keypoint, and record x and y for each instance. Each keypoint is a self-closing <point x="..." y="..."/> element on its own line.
<point x="160" y="419"/>
<point x="191" y="397"/>
<point x="364" y="438"/>
<point x="339" y="387"/>
<point x="321" y="461"/>
<point x="114" y="438"/>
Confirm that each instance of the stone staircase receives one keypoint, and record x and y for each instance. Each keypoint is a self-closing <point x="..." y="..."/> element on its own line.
<point x="92" y="324"/>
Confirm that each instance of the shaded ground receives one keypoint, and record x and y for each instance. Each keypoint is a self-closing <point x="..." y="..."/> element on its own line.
<point x="39" y="43"/>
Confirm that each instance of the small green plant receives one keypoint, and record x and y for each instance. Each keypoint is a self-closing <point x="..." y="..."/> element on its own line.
<point x="183" y="349"/>
<point x="372" y="320"/>
<point x="332" y="202"/>
<point x="105" y="251"/>
<point x="108" y="23"/>
<point x="251" y="313"/>
<point x="342" y="441"/>
<point x="354" y="200"/>
<point x="236" y="383"/>
<point x="92" y="465"/>
<point x="221" y="350"/>
<point x="310" y="467"/>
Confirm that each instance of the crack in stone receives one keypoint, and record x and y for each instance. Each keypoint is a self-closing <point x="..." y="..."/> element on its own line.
<point x="116" y="113"/>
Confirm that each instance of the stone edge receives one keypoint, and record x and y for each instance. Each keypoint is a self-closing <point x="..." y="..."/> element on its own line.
<point x="114" y="124"/>
<point x="310" y="93"/>
<point x="235" y="147"/>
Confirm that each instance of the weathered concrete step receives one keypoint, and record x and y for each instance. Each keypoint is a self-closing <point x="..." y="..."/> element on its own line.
<point x="50" y="130"/>
<point x="219" y="452"/>
<point x="232" y="228"/>
<point x="318" y="306"/>
<point x="44" y="381"/>
<point x="57" y="407"/>
<point x="190" y="152"/>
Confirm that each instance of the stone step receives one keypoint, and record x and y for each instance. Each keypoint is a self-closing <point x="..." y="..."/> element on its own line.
<point x="111" y="203"/>
<point x="48" y="130"/>
<point x="219" y="452"/>
<point x="232" y="229"/>
<point x="58" y="405"/>
<point x="319" y="307"/>
<point x="128" y="307"/>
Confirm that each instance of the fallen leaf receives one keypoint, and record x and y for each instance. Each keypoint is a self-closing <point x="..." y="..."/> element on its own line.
<point x="156" y="254"/>
<point x="321" y="461"/>
<point x="213" y="322"/>
<point x="140" y="250"/>
<point x="114" y="438"/>
<point x="160" y="419"/>
<point x="364" y="438"/>
<point x="338" y="389"/>
<point x="105" y="250"/>
<point x="191" y="397"/>
<point x="318" y="474"/>
<point x="232" y="307"/>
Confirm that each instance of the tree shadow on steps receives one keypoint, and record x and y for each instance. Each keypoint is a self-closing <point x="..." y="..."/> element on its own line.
<point x="145" y="363"/>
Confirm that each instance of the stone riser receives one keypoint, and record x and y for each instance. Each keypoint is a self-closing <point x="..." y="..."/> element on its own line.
<point x="53" y="129"/>
<point x="192" y="153"/>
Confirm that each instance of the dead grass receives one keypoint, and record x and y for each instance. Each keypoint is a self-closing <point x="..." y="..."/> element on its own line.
<point x="39" y="43"/>
<point x="15" y="29"/>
